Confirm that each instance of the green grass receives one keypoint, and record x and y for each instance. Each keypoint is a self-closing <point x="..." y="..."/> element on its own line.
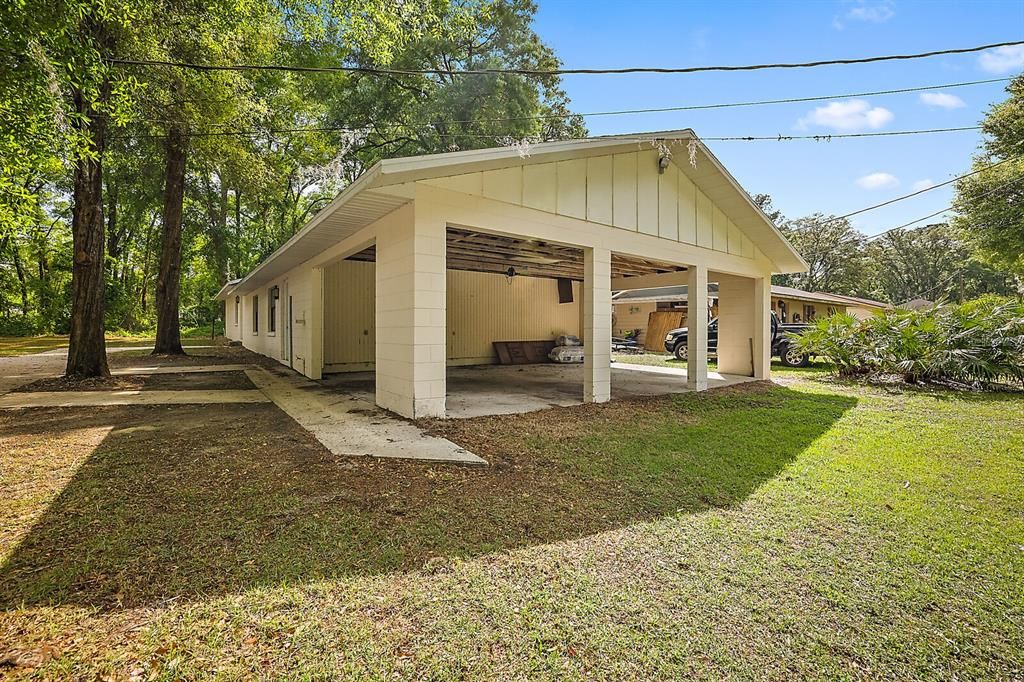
<point x="807" y="530"/>
<point x="25" y="345"/>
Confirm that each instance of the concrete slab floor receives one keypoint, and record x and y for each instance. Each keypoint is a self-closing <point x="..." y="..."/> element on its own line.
<point x="511" y="389"/>
<point x="349" y="425"/>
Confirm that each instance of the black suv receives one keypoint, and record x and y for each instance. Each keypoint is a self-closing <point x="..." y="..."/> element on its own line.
<point x="675" y="342"/>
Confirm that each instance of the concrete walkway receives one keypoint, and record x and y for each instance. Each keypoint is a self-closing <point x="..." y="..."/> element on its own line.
<point x="347" y="425"/>
<point x="12" y="401"/>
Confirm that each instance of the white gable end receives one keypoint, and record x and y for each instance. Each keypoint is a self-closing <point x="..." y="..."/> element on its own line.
<point x="619" y="190"/>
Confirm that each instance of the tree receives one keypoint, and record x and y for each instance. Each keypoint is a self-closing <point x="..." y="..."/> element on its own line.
<point x="931" y="262"/>
<point x="834" y="252"/>
<point x="990" y="205"/>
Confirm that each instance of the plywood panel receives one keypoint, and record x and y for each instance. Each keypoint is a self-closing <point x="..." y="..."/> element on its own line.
<point x="705" y="229"/>
<point x="599" y="189"/>
<point x="540" y="187"/>
<point x="687" y="206"/>
<point x="668" y="209"/>
<point x="572" y="188"/>
<point x="647" y="192"/>
<point x="505" y="184"/>
<point x="719" y="230"/>
<point x="624" y="190"/>
<point x="658" y="325"/>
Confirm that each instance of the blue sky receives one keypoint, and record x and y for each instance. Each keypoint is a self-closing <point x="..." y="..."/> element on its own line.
<point x="802" y="177"/>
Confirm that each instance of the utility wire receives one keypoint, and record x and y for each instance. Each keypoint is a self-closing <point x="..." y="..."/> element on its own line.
<point x="652" y="137"/>
<point x="550" y="72"/>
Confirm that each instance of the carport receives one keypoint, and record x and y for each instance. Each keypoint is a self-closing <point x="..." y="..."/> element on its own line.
<point x="403" y="283"/>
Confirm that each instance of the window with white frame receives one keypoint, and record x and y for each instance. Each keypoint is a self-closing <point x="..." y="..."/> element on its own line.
<point x="238" y="309"/>
<point x="255" y="314"/>
<point x="273" y="294"/>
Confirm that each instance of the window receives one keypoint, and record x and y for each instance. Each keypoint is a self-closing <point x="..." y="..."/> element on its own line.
<point x="808" y="312"/>
<point x="238" y="308"/>
<point x="255" y="314"/>
<point x="272" y="295"/>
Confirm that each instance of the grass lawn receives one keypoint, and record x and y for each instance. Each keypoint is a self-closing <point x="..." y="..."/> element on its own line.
<point x="24" y="345"/>
<point x="811" y="529"/>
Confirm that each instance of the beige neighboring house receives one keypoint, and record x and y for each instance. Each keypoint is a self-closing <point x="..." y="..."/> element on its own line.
<point x="423" y="263"/>
<point x="639" y="308"/>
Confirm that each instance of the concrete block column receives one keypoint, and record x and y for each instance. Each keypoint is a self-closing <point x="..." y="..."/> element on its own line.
<point x="411" y="300"/>
<point x="597" y="325"/>
<point x="762" y="328"/>
<point x="697" y="327"/>
<point x="744" y="340"/>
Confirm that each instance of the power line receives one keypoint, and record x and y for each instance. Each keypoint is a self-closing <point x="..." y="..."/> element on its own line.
<point x="653" y="137"/>
<point x="369" y="70"/>
<point x="922" y="191"/>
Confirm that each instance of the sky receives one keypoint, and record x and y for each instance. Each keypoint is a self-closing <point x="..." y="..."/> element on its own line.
<point x="803" y="177"/>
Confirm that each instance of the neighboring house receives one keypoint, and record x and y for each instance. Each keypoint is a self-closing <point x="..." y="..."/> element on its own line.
<point x="660" y="309"/>
<point x="425" y="262"/>
<point x="917" y="304"/>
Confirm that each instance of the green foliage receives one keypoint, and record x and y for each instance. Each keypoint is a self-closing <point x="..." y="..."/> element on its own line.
<point x="991" y="204"/>
<point x="834" y="252"/>
<point x="977" y="343"/>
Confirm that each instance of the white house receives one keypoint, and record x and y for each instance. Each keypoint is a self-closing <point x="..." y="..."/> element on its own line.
<point x="423" y="262"/>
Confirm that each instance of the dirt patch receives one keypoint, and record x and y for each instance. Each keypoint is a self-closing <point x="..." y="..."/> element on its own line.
<point x="186" y="381"/>
<point x="219" y="355"/>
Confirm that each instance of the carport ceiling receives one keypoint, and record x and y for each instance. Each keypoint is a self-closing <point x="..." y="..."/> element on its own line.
<point x="485" y="252"/>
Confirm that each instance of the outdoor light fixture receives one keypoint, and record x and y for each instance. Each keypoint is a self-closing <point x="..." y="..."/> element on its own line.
<point x="510" y="273"/>
<point x="663" y="162"/>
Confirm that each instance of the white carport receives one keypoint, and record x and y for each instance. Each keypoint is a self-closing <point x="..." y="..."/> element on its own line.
<point x="397" y="273"/>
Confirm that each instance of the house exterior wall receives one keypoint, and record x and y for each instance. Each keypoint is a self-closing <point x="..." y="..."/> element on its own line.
<point x="630" y="316"/>
<point x="297" y="284"/>
<point x="796" y="306"/>
<point x="482" y="308"/>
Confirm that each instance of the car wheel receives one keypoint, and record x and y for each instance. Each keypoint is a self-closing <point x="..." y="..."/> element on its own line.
<point x="680" y="351"/>
<point x="791" y="357"/>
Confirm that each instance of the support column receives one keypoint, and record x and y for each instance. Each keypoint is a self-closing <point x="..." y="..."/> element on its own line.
<point x="742" y="321"/>
<point x="411" y="300"/>
<point x="597" y="325"/>
<point x="697" y="327"/>
<point x="762" y="328"/>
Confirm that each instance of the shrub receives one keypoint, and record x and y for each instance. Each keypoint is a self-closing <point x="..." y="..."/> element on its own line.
<point x="979" y="342"/>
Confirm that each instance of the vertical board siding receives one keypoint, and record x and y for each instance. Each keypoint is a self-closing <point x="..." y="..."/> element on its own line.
<point x="624" y="191"/>
<point x="647" y="192"/>
<point x="540" y="187"/>
<point x="687" y="210"/>
<point x="481" y="308"/>
<point x="599" y="182"/>
<point x="668" y="203"/>
<point x="572" y="188"/>
<point x="705" y="230"/>
<point x="349" y="313"/>
<point x="505" y="184"/>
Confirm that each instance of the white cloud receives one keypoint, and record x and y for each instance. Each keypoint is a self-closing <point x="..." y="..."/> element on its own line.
<point x="878" y="181"/>
<point x="942" y="100"/>
<point x="1002" y="59"/>
<point x="866" y="11"/>
<point x="922" y="184"/>
<point x="853" y="114"/>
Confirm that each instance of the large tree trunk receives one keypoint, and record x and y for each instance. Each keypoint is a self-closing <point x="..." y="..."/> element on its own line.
<point x="87" y="350"/>
<point x="168" y="283"/>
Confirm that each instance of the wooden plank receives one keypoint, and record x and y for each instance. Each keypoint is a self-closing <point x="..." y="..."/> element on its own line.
<point x="660" y="323"/>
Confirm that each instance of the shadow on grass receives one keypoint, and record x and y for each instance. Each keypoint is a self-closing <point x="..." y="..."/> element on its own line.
<point x="189" y="501"/>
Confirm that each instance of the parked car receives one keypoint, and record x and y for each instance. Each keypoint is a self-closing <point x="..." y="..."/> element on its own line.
<point x="675" y="341"/>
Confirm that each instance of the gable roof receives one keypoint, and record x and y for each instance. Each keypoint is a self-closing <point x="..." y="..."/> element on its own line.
<point x="380" y="190"/>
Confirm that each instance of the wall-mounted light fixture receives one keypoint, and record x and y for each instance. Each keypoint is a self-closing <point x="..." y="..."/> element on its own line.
<point x="663" y="162"/>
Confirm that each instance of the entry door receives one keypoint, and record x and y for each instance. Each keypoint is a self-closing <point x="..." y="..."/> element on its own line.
<point x="288" y="331"/>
